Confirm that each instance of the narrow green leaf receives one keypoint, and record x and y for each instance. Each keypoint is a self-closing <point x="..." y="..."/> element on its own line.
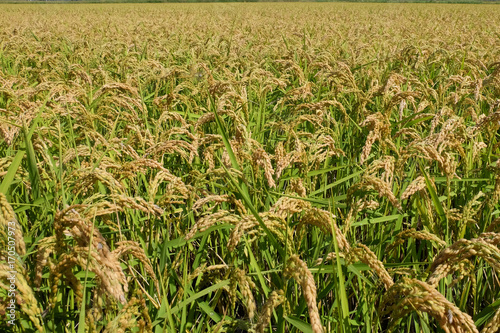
<point x="202" y="293"/>
<point x="178" y="242"/>
<point x="225" y="139"/>
<point x="338" y="182"/>
<point x="34" y="175"/>
<point x="344" y="302"/>
<point x="322" y="202"/>
<point x="81" y="319"/>
<point x="249" y="204"/>
<point x="378" y="220"/>
<point x="255" y="267"/>
<point x="486" y="313"/>
<point x="209" y="311"/>
<point x="411" y="123"/>
<point x="11" y="172"/>
<point x="299" y="324"/>
<point x="434" y="197"/>
<point x="322" y="171"/>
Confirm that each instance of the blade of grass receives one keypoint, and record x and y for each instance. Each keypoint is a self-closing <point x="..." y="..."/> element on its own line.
<point x="11" y="172"/>
<point x="202" y="293"/>
<point x="299" y="324"/>
<point x="250" y="206"/>
<point x="344" y="309"/>
<point x="34" y="175"/>
<point x="81" y="319"/>
<point x="436" y="202"/>
<point x="338" y="182"/>
<point x="232" y="157"/>
<point x="486" y="313"/>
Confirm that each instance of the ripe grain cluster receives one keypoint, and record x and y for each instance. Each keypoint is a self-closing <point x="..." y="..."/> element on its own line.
<point x="250" y="167"/>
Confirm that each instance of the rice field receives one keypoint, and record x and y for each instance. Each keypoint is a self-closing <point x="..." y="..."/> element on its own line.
<point x="272" y="167"/>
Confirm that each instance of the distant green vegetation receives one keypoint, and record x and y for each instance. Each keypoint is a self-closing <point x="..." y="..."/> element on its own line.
<point x="230" y="1"/>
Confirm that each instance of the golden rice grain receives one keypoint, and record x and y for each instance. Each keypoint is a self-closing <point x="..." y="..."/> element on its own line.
<point x="410" y="294"/>
<point x="364" y="254"/>
<point x="418" y="184"/>
<point x="246" y="285"/>
<point x="134" y="249"/>
<point x="25" y="297"/>
<point x="461" y="250"/>
<point x="298" y="270"/>
<point x="274" y="300"/>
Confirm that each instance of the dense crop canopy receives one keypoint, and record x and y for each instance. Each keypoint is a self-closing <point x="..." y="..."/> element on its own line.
<point x="250" y="167"/>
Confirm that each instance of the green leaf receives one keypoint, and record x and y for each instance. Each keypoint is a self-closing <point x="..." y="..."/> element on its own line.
<point x="378" y="220"/>
<point x="486" y="313"/>
<point x="249" y="204"/>
<point x="232" y="157"/>
<point x="11" y="172"/>
<point x="338" y="182"/>
<point x="202" y="293"/>
<point x="32" y="163"/>
<point x="299" y="324"/>
<point x="344" y="302"/>
<point x="209" y="311"/>
<point x="178" y="242"/>
<point x="434" y="197"/>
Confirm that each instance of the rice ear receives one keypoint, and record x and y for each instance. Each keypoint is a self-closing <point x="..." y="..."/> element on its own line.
<point x="408" y="295"/>
<point x="298" y="269"/>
